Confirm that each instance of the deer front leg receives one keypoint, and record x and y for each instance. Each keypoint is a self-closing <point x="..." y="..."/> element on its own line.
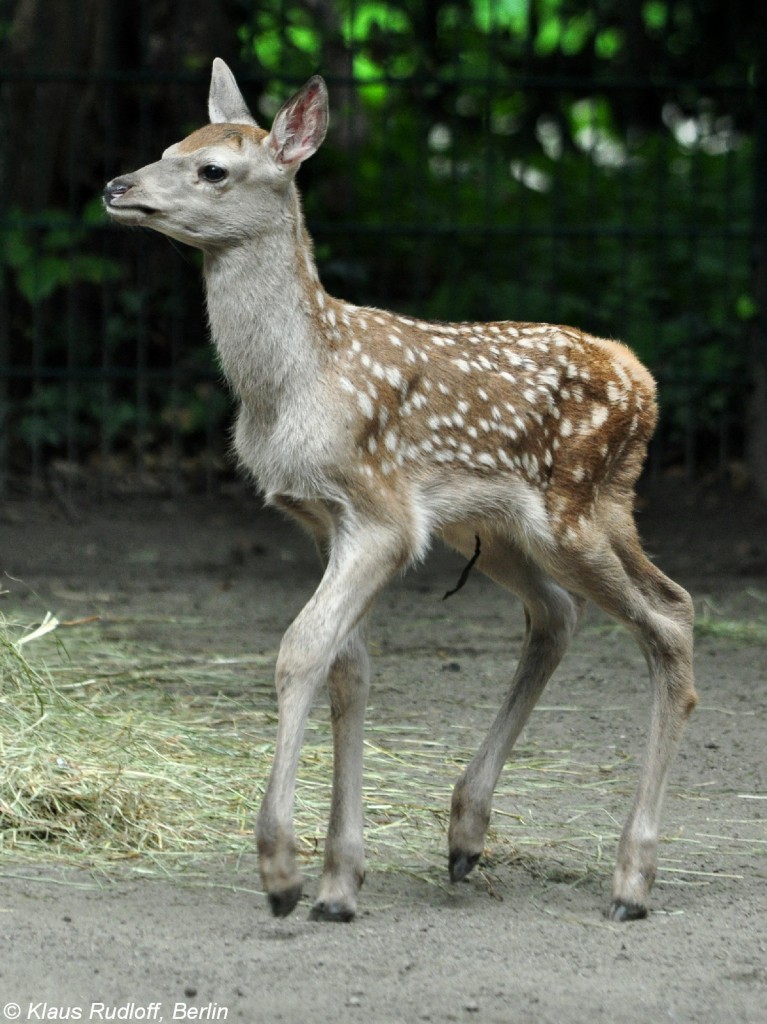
<point x="344" y="870"/>
<point x="274" y="827"/>
<point x="362" y="559"/>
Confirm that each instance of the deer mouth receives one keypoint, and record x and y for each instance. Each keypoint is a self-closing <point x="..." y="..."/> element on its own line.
<point x="129" y="213"/>
<point x="139" y="208"/>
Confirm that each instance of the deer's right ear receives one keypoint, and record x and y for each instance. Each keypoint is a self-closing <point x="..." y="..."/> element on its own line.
<point x="225" y="102"/>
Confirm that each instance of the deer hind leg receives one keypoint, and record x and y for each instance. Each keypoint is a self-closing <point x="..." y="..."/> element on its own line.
<point x="551" y="616"/>
<point x="362" y="558"/>
<point x="609" y="566"/>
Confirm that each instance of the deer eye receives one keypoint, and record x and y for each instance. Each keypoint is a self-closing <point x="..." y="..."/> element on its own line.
<point x="211" y="172"/>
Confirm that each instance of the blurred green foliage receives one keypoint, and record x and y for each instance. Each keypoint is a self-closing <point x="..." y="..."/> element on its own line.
<point x="43" y="261"/>
<point x="493" y="159"/>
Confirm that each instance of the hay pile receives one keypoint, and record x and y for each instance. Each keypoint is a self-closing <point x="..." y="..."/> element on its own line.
<point x="88" y="769"/>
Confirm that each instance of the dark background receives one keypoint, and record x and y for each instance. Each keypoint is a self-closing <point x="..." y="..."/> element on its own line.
<point x="595" y="163"/>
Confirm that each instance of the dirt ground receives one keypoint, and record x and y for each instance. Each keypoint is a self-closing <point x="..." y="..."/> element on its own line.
<point x="512" y="944"/>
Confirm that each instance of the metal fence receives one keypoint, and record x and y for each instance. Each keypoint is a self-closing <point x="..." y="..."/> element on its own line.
<point x="496" y="187"/>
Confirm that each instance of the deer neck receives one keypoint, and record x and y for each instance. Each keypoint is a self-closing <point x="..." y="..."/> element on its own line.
<point x="262" y="297"/>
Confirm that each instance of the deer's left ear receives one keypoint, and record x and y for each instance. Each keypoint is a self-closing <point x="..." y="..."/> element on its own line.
<point x="300" y="125"/>
<point x="225" y="102"/>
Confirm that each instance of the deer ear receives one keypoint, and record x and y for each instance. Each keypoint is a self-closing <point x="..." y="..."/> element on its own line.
<point x="300" y="125"/>
<point x="225" y="102"/>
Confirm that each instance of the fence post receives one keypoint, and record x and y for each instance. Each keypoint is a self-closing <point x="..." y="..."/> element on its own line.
<point x="757" y="426"/>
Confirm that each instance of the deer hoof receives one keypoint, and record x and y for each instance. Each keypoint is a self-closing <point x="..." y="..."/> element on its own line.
<point x="284" y="901"/>
<point x="331" y="910"/>
<point x="622" y="911"/>
<point x="460" y="864"/>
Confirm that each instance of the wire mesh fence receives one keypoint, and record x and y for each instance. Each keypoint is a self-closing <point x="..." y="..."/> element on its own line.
<point x="493" y="160"/>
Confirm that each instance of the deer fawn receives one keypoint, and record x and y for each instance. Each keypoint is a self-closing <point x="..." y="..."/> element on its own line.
<point x="376" y="431"/>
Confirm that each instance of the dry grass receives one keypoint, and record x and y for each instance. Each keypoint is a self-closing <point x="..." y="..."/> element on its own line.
<point x="732" y="630"/>
<point x="112" y="752"/>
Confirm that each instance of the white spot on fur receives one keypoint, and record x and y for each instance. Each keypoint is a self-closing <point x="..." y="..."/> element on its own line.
<point x="366" y="405"/>
<point x="614" y="392"/>
<point x="393" y="376"/>
<point x="599" y="415"/>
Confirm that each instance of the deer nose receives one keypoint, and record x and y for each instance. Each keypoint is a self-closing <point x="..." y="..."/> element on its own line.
<point x="116" y="188"/>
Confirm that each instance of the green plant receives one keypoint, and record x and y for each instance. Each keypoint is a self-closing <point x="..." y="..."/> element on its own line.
<point x="45" y="253"/>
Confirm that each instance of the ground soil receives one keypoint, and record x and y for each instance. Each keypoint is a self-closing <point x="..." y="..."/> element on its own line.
<point x="512" y="944"/>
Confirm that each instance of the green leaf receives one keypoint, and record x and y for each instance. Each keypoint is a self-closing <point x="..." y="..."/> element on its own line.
<point x="494" y="14"/>
<point x="306" y="40"/>
<point x="608" y="43"/>
<point x="655" y="14"/>
<point x="548" y="37"/>
<point x="576" y="33"/>
<point x="40" y="278"/>
<point x="17" y="252"/>
<point x="745" y="306"/>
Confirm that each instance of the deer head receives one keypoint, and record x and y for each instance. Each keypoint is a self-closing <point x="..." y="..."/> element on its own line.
<point x="230" y="180"/>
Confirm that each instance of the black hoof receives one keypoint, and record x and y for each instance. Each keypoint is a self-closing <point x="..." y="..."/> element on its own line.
<point x="460" y="864"/>
<point x="620" y="911"/>
<point x="284" y="902"/>
<point x="331" y="910"/>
